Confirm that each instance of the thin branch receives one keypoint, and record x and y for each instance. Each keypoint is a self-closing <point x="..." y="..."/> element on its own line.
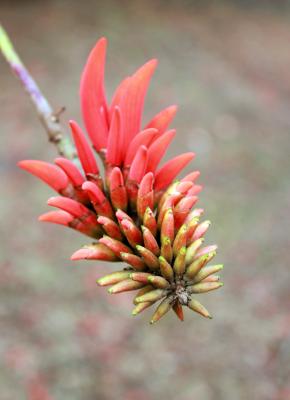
<point x="48" y="118"/>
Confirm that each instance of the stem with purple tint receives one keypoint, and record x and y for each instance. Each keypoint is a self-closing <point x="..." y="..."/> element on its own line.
<point x="48" y="118"/>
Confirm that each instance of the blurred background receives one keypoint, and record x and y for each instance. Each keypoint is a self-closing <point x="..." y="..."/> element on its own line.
<point x="227" y="65"/>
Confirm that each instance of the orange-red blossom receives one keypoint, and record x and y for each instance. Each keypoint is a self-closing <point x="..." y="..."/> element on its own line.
<point x="137" y="212"/>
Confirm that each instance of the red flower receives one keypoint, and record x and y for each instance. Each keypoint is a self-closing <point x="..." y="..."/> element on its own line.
<point x="136" y="212"/>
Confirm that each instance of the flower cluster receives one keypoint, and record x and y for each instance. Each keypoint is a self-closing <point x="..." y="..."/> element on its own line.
<point x="137" y="213"/>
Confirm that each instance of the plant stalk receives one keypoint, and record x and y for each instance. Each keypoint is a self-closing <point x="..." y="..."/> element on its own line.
<point x="49" y="118"/>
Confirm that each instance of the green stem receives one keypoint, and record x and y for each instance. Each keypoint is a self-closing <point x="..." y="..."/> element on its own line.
<point x="48" y="118"/>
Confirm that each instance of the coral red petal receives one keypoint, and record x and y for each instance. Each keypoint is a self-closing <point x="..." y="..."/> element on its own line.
<point x="132" y="233"/>
<point x="64" y="218"/>
<point x="115" y="140"/>
<point x="71" y="170"/>
<point x="191" y="177"/>
<point x="122" y="215"/>
<point x="133" y="100"/>
<point x="195" y="190"/>
<point x="116" y="178"/>
<point x="85" y="152"/>
<point x="92" y="93"/>
<point x="205" y="250"/>
<point x="184" y="187"/>
<point x="71" y="206"/>
<point x="142" y="138"/>
<point x="118" y="192"/>
<point x="146" y="185"/>
<point x="110" y="227"/>
<point x="97" y="251"/>
<point x="162" y="120"/>
<point x="145" y="196"/>
<point x="95" y="193"/>
<point x="48" y="173"/>
<point x="115" y="245"/>
<point x="98" y="199"/>
<point x="186" y="203"/>
<point x="57" y="217"/>
<point x="118" y="95"/>
<point x="182" y="209"/>
<point x="139" y="165"/>
<point x="171" y="169"/>
<point x="157" y="150"/>
<point x="200" y="230"/>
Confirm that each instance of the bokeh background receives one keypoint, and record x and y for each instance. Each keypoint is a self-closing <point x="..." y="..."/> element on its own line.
<point x="227" y="65"/>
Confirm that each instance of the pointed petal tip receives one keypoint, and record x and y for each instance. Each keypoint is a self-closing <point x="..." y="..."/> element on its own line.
<point x="158" y="148"/>
<point x="133" y="101"/>
<point x="139" y="164"/>
<point x="100" y="46"/>
<point x="152" y="63"/>
<point x="87" y="185"/>
<point x="51" y="201"/>
<point x="57" y="217"/>
<point x="92" y="93"/>
<point x="49" y="173"/>
<point x="162" y="120"/>
<point x="71" y="170"/>
<point x="44" y="218"/>
<point x="81" y="254"/>
<point x="84" y="150"/>
<point x="21" y="164"/>
<point x="93" y="190"/>
<point x="103" y="40"/>
<point x="146" y="184"/>
<point x="168" y="172"/>
<point x="115" y="148"/>
<point x="192" y="176"/>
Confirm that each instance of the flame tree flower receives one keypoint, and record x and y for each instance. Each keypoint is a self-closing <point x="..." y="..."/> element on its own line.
<point x="137" y="212"/>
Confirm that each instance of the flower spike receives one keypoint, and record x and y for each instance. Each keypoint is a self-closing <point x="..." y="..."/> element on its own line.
<point x="138" y="214"/>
